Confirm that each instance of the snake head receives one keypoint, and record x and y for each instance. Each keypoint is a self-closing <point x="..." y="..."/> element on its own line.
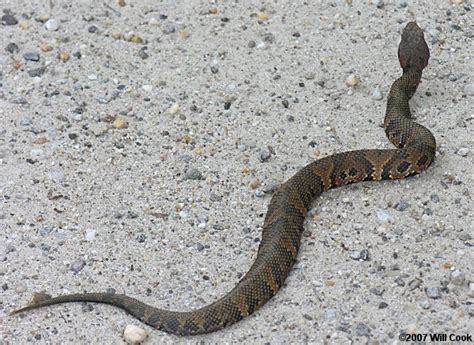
<point x="413" y="52"/>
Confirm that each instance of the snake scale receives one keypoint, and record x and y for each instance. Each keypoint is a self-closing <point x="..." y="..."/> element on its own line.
<point x="283" y="224"/>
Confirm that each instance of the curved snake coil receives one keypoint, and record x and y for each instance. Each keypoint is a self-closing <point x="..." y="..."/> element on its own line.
<point x="287" y="210"/>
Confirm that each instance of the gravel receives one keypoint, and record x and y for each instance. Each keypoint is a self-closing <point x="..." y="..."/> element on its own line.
<point x="141" y="144"/>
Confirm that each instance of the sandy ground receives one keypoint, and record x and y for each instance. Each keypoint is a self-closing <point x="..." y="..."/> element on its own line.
<point x="169" y="210"/>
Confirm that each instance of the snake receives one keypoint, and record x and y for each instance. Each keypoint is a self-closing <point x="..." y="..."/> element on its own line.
<point x="283" y="226"/>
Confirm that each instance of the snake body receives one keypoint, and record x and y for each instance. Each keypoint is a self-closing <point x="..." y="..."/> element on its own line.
<point x="283" y="224"/>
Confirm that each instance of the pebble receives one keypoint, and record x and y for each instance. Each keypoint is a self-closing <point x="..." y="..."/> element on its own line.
<point x="134" y="335"/>
<point x="8" y="19"/>
<point x="52" y="24"/>
<point x="36" y="72"/>
<point x="120" y="123"/>
<point x="12" y="48"/>
<point x="262" y="15"/>
<point x="31" y="56"/>
<point x="63" y="56"/>
<point x="147" y="88"/>
<point x="434" y="198"/>
<point x="425" y="304"/>
<point x="352" y="80"/>
<point x="471" y="290"/>
<point x="457" y="2"/>
<point x="383" y="305"/>
<point x="153" y="21"/>
<point x="20" y="289"/>
<point x="463" y="151"/>
<point x="56" y="174"/>
<point x="193" y="174"/>
<point x="44" y="232"/>
<point x="376" y="94"/>
<point x="330" y="314"/>
<point x="433" y="292"/>
<point x="383" y="216"/>
<point x="402" y="205"/>
<point x="359" y="254"/>
<point x="457" y="277"/>
<point x="173" y="109"/>
<point x="265" y="154"/>
<point x="90" y="235"/>
<point x="77" y="265"/>
<point x="469" y="89"/>
<point x="25" y="121"/>
<point x="362" y="329"/>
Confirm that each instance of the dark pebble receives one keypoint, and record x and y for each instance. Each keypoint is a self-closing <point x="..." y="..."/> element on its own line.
<point x="92" y="29"/>
<point x="193" y="174"/>
<point x="143" y="54"/>
<point x="77" y="265"/>
<point x="199" y="247"/>
<point x="8" y="19"/>
<point x="214" y="69"/>
<point x="383" y="305"/>
<point x="285" y="103"/>
<point x="251" y="44"/>
<point x="364" y="255"/>
<point x="402" y="205"/>
<point x="227" y="105"/>
<point x="31" y="56"/>
<point x="141" y="238"/>
<point x="434" y="198"/>
<point x="12" y="48"/>
<point x="36" y="72"/>
<point x="110" y="291"/>
<point x="72" y="136"/>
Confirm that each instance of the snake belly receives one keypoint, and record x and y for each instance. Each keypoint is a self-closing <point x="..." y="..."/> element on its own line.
<point x="283" y="226"/>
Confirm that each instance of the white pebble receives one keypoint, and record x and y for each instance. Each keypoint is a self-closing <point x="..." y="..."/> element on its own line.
<point x="90" y="234"/>
<point x="376" y="94"/>
<point x="174" y="108"/>
<point x="457" y="2"/>
<point x="457" y="277"/>
<point x="463" y="151"/>
<point x="383" y="216"/>
<point x="134" y="335"/>
<point x="92" y="77"/>
<point x="52" y="25"/>
<point x="147" y="88"/>
<point x="153" y="21"/>
<point x="469" y="89"/>
<point x="352" y="80"/>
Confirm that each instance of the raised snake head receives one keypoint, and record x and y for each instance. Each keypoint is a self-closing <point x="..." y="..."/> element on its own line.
<point x="413" y="51"/>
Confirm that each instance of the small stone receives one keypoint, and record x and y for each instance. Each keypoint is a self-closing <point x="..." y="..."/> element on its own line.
<point x="40" y="141"/>
<point x="135" y="39"/>
<point x="402" y="205"/>
<point x="77" y="265"/>
<point x="184" y="34"/>
<point x="8" y="19"/>
<point x="433" y="292"/>
<point x="141" y="238"/>
<point x="457" y="2"/>
<point x="52" y="24"/>
<point x="25" y="121"/>
<point x="425" y="304"/>
<point x="383" y="216"/>
<point x="193" y="174"/>
<point x="173" y="109"/>
<point x="362" y="329"/>
<point x="352" y="80"/>
<point x="434" y="198"/>
<point x="12" y="48"/>
<point x="46" y="48"/>
<point x="469" y="89"/>
<point x="255" y="183"/>
<point x="262" y="15"/>
<point x="92" y="29"/>
<point x="143" y="54"/>
<point x="265" y="154"/>
<point x="92" y="77"/>
<point x="20" y="288"/>
<point x="134" y="335"/>
<point x="457" y="277"/>
<point x="383" y="305"/>
<point x="378" y="3"/>
<point x="120" y="123"/>
<point x="63" y="56"/>
<point x="463" y="151"/>
<point x="31" y="56"/>
<point x="376" y="94"/>
<point x="147" y="88"/>
<point x="36" y="72"/>
<point x="90" y="235"/>
<point x="329" y="314"/>
<point x="153" y="21"/>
